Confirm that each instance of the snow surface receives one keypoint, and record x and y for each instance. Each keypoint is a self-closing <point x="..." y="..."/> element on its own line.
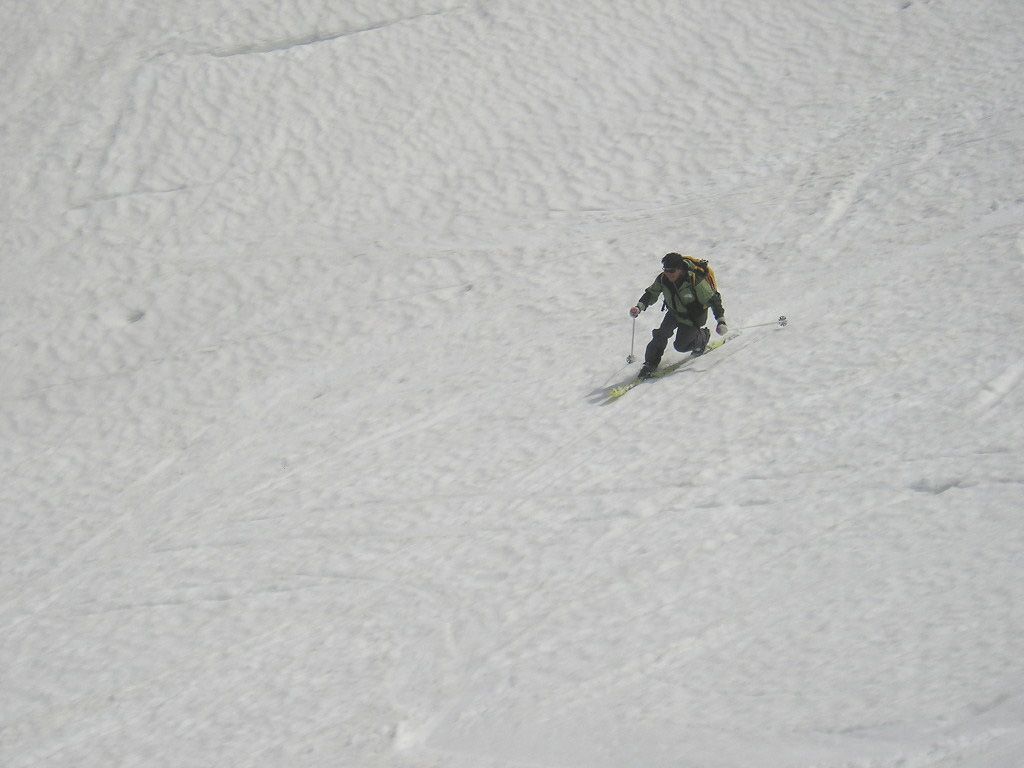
<point x="304" y="310"/>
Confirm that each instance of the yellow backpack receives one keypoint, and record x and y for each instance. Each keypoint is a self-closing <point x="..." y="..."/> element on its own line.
<point x="699" y="268"/>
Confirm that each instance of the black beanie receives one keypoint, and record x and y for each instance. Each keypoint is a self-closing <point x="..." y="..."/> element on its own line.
<point x="673" y="260"/>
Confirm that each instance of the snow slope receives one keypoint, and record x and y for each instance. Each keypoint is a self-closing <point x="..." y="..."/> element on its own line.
<point x="304" y="311"/>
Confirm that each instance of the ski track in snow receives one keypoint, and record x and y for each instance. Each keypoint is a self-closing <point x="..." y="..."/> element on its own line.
<point x="302" y="312"/>
<point x="999" y="388"/>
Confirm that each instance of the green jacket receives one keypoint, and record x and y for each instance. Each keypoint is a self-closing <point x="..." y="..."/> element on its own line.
<point x="687" y="302"/>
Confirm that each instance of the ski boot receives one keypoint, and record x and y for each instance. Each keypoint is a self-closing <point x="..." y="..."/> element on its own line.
<point x="701" y="345"/>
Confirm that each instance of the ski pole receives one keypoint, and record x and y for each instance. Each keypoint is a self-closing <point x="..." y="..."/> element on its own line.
<point x="632" y="342"/>
<point x="781" y="322"/>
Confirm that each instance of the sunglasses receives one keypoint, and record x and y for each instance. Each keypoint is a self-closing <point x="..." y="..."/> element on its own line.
<point x="670" y="270"/>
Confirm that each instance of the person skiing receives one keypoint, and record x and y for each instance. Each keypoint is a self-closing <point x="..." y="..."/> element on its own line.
<point x="688" y="293"/>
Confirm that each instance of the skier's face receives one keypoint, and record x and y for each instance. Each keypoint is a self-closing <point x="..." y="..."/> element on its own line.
<point x="673" y="273"/>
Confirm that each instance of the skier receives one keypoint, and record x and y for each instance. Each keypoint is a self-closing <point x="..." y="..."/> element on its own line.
<point x="688" y="293"/>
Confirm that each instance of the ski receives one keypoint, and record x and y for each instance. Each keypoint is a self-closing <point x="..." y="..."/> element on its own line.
<point x="616" y="392"/>
<point x="606" y="395"/>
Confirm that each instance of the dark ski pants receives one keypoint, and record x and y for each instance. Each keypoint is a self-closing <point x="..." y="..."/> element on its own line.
<point x="688" y="339"/>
